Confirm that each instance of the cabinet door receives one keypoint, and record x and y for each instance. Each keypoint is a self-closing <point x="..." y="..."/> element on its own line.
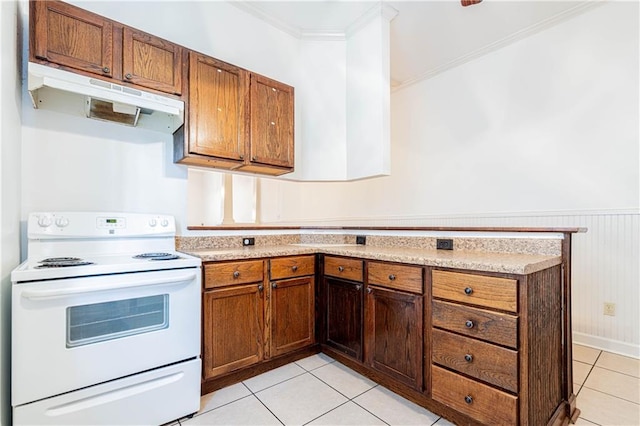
<point x="394" y="334"/>
<point x="151" y="62"/>
<point x="271" y="139"/>
<point x="233" y="328"/>
<point x="72" y="37"/>
<point x="292" y="312"/>
<point x="344" y="316"/>
<point x="217" y="94"/>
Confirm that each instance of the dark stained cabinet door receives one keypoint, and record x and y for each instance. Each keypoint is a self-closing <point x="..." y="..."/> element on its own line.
<point x="233" y="328"/>
<point x="393" y="330"/>
<point x="72" y="37"/>
<point x="151" y="62"/>
<point x="217" y="108"/>
<point x="271" y="141"/>
<point x="344" y="316"/>
<point x="292" y="313"/>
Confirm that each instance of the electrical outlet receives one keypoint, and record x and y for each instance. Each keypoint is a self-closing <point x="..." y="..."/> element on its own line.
<point x="444" y="244"/>
<point x="610" y="309"/>
<point x="361" y="239"/>
<point x="248" y="241"/>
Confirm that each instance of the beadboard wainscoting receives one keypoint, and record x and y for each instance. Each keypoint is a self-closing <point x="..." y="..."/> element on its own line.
<point x="605" y="265"/>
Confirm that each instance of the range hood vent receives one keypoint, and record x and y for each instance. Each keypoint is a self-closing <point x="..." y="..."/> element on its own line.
<point x="64" y="91"/>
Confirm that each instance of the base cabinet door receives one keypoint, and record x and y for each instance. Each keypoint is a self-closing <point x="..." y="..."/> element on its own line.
<point x="292" y="313"/>
<point x="344" y="316"/>
<point x="394" y="334"/>
<point x="233" y="328"/>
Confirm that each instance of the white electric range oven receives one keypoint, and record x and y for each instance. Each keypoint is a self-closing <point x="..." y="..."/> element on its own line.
<point x="105" y="322"/>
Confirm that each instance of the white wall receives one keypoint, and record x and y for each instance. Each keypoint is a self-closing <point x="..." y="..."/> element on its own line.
<point x="9" y="186"/>
<point x="543" y="131"/>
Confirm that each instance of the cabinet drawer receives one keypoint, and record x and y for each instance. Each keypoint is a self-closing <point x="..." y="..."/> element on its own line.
<point x="290" y="267"/>
<point x="477" y="400"/>
<point x="349" y="269"/>
<point x="399" y="277"/>
<point x="491" y="326"/>
<point x="490" y="363"/>
<point x="491" y="292"/>
<point x="231" y="273"/>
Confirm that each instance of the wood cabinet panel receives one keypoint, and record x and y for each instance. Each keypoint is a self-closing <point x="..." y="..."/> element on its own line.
<point x="233" y="273"/>
<point x="290" y="267"/>
<point x="393" y="334"/>
<point x="292" y="313"/>
<point x="233" y="328"/>
<point x="487" y="291"/>
<point x="400" y="277"/>
<point x="490" y="363"/>
<point x="344" y="303"/>
<point x="490" y="326"/>
<point x="152" y="62"/>
<point x="340" y="267"/>
<point x="272" y="124"/>
<point x="72" y="37"/>
<point x="217" y="114"/>
<point x="477" y="400"/>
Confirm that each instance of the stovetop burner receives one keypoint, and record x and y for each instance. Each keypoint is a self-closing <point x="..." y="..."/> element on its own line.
<point x="62" y="262"/>
<point x="157" y="256"/>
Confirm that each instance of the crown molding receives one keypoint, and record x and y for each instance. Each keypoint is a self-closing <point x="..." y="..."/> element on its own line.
<point x="512" y="38"/>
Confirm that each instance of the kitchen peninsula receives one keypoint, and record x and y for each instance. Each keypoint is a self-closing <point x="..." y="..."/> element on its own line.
<point x="480" y="334"/>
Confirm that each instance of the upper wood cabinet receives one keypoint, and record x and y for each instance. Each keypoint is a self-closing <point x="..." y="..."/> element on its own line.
<point x="151" y="62"/>
<point x="236" y="120"/>
<point x="74" y="38"/>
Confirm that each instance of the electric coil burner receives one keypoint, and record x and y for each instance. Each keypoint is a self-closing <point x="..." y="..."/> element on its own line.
<point x="62" y="262"/>
<point x="157" y="256"/>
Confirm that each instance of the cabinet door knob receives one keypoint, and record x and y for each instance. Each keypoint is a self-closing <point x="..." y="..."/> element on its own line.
<point x="469" y="324"/>
<point x="392" y="277"/>
<point x="369" y="290"/>
<point x="468" y="357"/>
<point x="468" y="399"/>
<point x="128" y="76"/>
<point x="260" y="287"/>
<point x="294" y="268"/>
<point x="274" y="285"/>
<point x="358" y="287"/>
<point x="241" y="157"/>
<point x="106" y="70"/>
<point x="468" y="290"/>
<point x="340" y="268"/>
<point x="236" y="274"/>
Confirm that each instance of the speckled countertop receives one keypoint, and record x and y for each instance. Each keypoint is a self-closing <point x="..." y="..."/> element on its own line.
<point x="461" y="259"/>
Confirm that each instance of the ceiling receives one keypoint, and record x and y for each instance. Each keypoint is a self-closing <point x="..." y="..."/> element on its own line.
<point x="427" y="37"/>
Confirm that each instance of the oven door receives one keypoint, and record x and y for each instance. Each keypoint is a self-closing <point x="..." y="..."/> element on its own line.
<point x="77" y="332"/>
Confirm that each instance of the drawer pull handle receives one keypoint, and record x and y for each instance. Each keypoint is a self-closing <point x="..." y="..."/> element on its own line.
<point x="340" y="268"/>
<point x="392" y="277"/>
<point x="469" y="324"/>
<point x="274" y="285"/>
<point x="294" y="268"/>
<point x="128" y="76"/>
<point x="260" y="287"/>
<point x="358" y="287"/>
<point x="106" y="70"/>
<point x="236" y="274"/>
<point x="468" y="357"/>
<point x="369" y="290"/>
<point x="468" y="399"/>
<point x="468" y="290"/>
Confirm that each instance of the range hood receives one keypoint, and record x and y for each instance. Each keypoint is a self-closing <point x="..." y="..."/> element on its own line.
<point x="64" y="91"/>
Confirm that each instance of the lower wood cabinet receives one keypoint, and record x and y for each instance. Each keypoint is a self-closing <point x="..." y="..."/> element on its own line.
<point x="232" y="328"/>
<point x="254" y="311"/>
<point x="344" y="305"/>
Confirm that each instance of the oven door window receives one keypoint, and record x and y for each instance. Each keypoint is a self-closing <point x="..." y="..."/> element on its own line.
<point x="98" y="322"/>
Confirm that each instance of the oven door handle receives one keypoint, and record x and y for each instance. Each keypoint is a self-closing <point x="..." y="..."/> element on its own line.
<point x="49" y="294"/>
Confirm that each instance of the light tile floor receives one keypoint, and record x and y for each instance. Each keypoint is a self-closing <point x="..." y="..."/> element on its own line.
<point x="320" y="391"/>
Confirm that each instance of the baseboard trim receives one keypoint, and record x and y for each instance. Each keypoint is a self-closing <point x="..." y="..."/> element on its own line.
<point x="609" y="345"/>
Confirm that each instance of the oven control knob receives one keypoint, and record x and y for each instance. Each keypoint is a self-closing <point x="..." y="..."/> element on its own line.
<point x="164" y="223"/>
<point x="44" y="221"/>
<point x="153" y="223"/>
<point x="61" y="222"/>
